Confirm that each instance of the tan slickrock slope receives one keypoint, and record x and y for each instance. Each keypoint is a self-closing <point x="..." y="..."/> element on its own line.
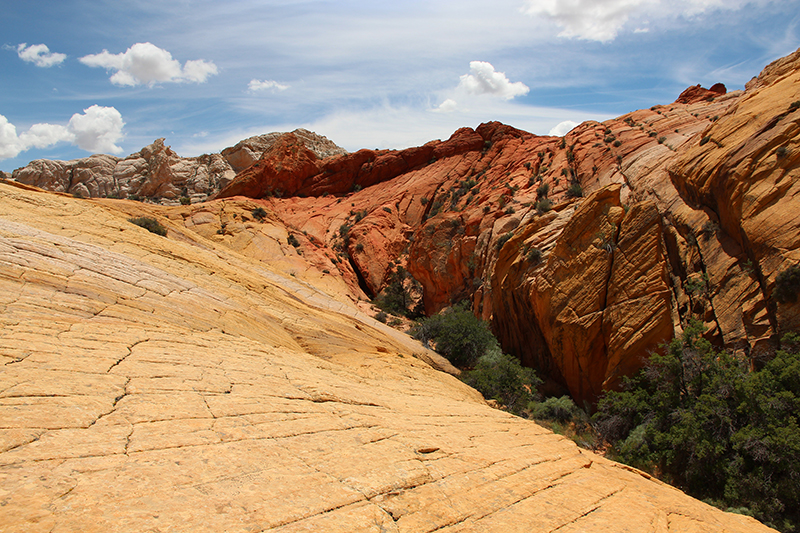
<point x="173" y="384"/>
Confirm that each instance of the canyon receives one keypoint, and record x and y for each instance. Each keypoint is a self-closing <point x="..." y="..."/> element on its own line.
<point x="585" y="252"/>
<point x="230" y="375"/>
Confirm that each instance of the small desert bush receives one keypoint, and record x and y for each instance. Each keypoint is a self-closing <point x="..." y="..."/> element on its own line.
<point x="574" y="190"/>
<point x="150" y="224"/>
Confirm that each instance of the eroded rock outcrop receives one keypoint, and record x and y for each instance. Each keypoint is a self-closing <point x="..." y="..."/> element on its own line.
<point x="247" y="152"/>
<point x="154" y="171"/>
<point x="173" y="383"/>
<point x="157" y="172"/>
<point x="599" y="301"/>
<point x="698" y="94"/>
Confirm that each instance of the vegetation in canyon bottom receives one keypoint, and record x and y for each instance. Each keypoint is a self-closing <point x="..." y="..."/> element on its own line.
<point x="698" y="418"/>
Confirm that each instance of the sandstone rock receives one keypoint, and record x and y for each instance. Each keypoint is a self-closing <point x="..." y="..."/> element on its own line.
<point x="174" y="383"/>
<point x="282" y="170"/>
<point x="50" y="175"/>
<point x="157" y="171"/>
<point x="775" y="70"/>
<point x="247" y="152"/>
<point x="697" y="93"/>
<point x="599" y="302"/>
<point x="744" y="174"/>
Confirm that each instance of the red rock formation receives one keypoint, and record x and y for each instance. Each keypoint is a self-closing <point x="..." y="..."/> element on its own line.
<point x="697" y="93"/>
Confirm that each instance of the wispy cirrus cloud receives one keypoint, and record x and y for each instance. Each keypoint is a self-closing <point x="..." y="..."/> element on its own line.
<point x="98" y="129"/>
<point x="147" y="64"/>
<point x="40" y="55"/>
<point x="265" y="85"/>
<point x="602" y="20"/>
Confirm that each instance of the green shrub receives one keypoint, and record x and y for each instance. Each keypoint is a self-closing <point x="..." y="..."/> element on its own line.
<point x="185" y="200"/>
<point x="503" y="239"/>
<point x="707" y="424"/>
<point x="544" y="205"/>
<point x="542" y="191"/>
<point x="501" y="377"/>
<point x="381" y="317"/>
<point x="787" y="285"/>
<point x="291" y="239"/>
<point x="534" y="256"/>
<point x="150" y="224"/>
<point x="395" y="297"/>
<point x="259" y="213"/>
<point x="457" y="334"/>
<point x="574" y="190"/>
<point x="561" y="409"/>
<point x="696" y="285"/>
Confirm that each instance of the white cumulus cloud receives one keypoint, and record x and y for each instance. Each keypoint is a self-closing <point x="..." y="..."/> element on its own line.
<point x="96" y="130"/>
<point x="484" y="79"/>
<point x="448" y="106"/>
<point x="562" y="128"/>
<point x="10" y="145"/>
<point x="40" y="55"/>
<point x="265" y="85"/>
<point x="602" y="20"/>
<point x="147" y="64"/>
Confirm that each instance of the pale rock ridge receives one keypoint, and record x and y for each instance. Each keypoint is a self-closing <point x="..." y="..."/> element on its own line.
<point x="172" y="383"/>
<point x="156" y="171"/>
<point x="250" y="150"/>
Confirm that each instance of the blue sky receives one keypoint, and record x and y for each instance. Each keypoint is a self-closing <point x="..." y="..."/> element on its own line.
<point x="82" y="77"/>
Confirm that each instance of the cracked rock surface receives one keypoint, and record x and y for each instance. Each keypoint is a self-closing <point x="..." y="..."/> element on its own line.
<point x="171" y="383"/>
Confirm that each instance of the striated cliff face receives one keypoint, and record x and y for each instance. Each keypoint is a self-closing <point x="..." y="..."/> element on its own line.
<point x="586" y="252"/>
<point x="214" y="380"/>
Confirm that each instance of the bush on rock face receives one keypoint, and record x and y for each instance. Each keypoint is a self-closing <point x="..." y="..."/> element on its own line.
<point x="150" y="224"/>
<point x="787" y="285"/>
